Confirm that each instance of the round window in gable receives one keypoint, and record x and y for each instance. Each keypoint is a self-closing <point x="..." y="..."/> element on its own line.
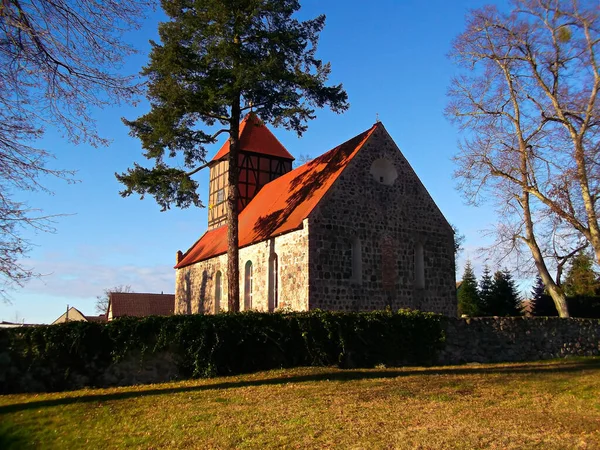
<point x="384" y="171"/>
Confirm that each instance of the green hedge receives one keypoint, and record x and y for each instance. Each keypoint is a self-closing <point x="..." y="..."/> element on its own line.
<point x="71" y="355"/>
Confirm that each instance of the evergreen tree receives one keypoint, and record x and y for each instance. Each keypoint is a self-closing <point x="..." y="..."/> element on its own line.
<point x="536" y="294"/>
<point x="468" y="297"/>
<point x="581" y="278"/>
<point x="541" y="303"/>
<point x="504" y="299"/>
<point x="216" y="60"/>
<point x="485" y="290"/>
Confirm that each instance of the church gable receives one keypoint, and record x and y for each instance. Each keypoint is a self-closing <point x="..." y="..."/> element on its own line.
<point x="380" y="236"/>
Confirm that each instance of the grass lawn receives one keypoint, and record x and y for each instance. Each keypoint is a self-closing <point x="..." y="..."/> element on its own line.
<point x="543" y="405"/>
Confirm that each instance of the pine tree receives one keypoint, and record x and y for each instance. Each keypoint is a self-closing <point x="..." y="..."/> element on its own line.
<point x="581" y="278"/>
<point x="216" y="60"/>
<point x="541" y="303"/>
<point x="485" y="290"/>
<point x="504" y="300"/>
<point x="468" y="297"/>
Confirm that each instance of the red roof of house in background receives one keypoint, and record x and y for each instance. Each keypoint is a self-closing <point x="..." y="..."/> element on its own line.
<point x="256" y="137"/>
<point x="281" y="205"/>
<point x="101" y="318"/>
<point x="141" y="304"/>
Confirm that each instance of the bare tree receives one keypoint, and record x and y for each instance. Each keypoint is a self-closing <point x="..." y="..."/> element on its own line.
<point x="528" y="104"/>
<point x="102" y="301"/>
<point x="302" y="159"/>
<point x="59" y="59"/>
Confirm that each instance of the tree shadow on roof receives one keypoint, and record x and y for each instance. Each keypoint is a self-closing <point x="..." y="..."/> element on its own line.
<point x="311" y="177"/>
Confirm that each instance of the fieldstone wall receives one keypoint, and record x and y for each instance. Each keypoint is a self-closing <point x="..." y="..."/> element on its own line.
<point x="508" y="339"/>
<point x="379" y="201"/>
<point x="195" y="285"/>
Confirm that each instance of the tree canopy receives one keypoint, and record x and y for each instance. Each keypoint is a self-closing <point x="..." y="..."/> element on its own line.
<point x="486" y="286"/>
<point x="216" y="60"/>
<point x="581" y="278"/>
<point x="504" y="297"/>
<point x="469" y="302"/>
<point x="527" y="102"/>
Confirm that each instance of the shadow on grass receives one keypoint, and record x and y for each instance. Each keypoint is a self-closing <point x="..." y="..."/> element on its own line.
<point x="12" y="438"/>
<point x="592" y="364"/>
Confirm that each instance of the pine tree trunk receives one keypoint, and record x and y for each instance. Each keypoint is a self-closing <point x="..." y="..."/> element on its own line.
<point x="233" y="265"/>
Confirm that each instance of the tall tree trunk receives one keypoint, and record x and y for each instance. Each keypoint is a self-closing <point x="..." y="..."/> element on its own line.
<point x="555" y="291"/>
<point x="233" y="261"/>
<point x="588" y="202"/>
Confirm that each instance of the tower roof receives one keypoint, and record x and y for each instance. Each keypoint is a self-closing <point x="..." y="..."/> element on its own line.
<point x="281" y="205"/>
<point x="256" y="137"/>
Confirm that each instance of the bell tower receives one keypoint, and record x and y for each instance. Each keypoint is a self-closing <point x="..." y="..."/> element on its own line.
<point x="261" y="159"/>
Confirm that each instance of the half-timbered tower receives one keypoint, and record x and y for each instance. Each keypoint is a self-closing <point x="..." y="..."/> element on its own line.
<point x="262" y="158"/>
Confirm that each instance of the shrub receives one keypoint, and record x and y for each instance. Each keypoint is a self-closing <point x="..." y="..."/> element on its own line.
<point x="77" y="354"/>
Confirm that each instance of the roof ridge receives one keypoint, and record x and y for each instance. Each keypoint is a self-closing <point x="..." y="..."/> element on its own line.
<point x="287" y="175"/>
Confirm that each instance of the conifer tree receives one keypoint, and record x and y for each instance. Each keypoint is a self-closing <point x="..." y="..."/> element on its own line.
<point x="505" y="299"/>
<point x="541" y="303"/>
<point x="581" y="278"/>
<point x="216" y="60"/>
<point x="485" y="290"/>
<point x="468" y="297"/>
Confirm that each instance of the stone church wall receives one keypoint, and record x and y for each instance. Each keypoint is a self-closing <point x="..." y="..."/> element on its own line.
<point x="384" y="208"/>
<point x="196" y="284"/>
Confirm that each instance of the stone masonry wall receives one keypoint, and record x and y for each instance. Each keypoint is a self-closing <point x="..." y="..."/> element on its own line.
<point x="508" y="339"/>
<point x="390" y="217"/>
<point x="195" y="284"/>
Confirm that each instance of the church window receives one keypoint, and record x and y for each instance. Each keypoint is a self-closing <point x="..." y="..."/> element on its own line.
<point x="384" y="171"/>
<point x="356" y="260"/>
<point x="248" y="286"/>
<point x="220" y="195"/>
<point x="218" y="291"/>
<point x="419" y="266"/>
<point x="273" y="283"/>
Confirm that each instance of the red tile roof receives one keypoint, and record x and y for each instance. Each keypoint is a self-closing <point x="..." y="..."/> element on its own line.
<point x="256" y="137"/>
<point x="100" y="319"/>
<point x="282" y="204"/>
<point x="141" y="304"/>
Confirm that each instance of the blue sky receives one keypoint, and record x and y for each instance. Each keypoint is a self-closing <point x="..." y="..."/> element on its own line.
<point x="391" y="56"/>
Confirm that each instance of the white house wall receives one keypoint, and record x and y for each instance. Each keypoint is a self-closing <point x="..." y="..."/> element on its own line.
<point x="196" y="284"/>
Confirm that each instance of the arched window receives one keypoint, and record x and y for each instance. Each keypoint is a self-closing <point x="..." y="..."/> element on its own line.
<point x="248" y="286"/>
<point x="273" y="283"/>
<point x="356" y="260"/>
<point x="218" y="291"/>
<point x="419" y="266"/>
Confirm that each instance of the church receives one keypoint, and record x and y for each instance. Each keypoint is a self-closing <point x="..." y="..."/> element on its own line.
<point x="351" y="230"/>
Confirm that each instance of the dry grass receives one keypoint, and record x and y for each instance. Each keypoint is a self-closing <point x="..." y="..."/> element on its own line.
<point x="542" y="405"/>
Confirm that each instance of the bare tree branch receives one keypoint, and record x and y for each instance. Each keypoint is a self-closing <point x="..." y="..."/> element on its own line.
<point x="59" y="60"/>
